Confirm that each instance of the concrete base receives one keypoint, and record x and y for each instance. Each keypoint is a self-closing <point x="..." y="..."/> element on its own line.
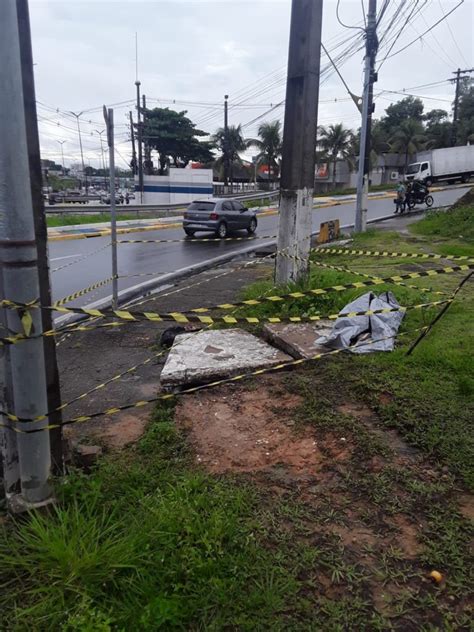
<point x="17" y="504"/>
<point x="210" y="355"/>
<point x="298" y="340"/>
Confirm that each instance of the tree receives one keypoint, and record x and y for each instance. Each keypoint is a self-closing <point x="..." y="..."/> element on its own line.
<point x="438" y="129"/>
<point x="337" y="142"/>
<point x="235" y="144"/>
<point x="174" y="137"/>
<point x="397" y="113"/>
<point x="465" y="127"/>
<point x="408" y="139"/>
<point x="270" y="145"/>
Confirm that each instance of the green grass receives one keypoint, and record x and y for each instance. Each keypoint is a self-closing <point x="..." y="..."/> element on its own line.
<point x="148" y="541"/>
<point x="144" y="542"/>
<point x="70" y="220"/>
<point x="456" y="223"/>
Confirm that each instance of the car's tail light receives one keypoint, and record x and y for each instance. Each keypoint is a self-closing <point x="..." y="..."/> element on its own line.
<point x="185" y="216"/>
<point x="214" y="216"/>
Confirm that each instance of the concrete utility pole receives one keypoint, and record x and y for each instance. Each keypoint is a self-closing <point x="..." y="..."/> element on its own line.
<point x="109" y="121"/>
<point x="134" y="153"/>
<point x="459" y="74"/>
<point x="61" y="142"/>
<point x="19" y="254"/>
<point x="371" y="46"/>
<point x="140" y="147"/>
<point x="299" y="140"/>
<point x="226" y="143"/>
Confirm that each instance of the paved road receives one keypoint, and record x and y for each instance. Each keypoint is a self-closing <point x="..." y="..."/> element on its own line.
<point x="160" y="259"/>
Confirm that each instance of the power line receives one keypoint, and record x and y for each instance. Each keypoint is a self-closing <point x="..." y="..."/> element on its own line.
<point x="346" y="26"/>
<point x="400" y="50"/>
<point x="452" y="36"/>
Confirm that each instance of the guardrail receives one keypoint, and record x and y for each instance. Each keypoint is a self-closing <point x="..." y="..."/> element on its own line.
<point x="80" y="209"/>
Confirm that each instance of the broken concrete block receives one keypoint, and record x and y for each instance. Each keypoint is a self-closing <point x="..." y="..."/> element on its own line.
<point x="209" y="355"/>
<point x="298" y="339"/>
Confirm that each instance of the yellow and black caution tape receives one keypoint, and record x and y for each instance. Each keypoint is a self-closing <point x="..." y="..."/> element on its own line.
<point x="215" y="240"/>
<point x="86" y="256"/>
<point x="79" y="293"/>
<point x="377" y="278"/>
<point x="166" y="396"/>
<point x="180" y="317"/>
<point x="384" y="253"/>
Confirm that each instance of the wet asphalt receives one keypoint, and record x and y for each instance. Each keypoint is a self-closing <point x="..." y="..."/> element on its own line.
<point x="162" y="258"/>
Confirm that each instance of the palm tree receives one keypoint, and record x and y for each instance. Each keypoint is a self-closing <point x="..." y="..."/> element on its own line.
<point x="270" y="145"/>
<point x="337" y="141"/>
<point x="408" y="139"/>
<point x="235" y="144"/>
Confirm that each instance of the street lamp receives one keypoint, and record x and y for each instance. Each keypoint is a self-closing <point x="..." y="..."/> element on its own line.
<point x="103" y="156"/>
<point x="61" y="142"/>
<point x="80" y="145"/>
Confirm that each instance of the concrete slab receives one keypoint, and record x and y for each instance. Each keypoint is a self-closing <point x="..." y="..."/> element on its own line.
<point x="211" y="355"/>
<point x="298" y="339"/>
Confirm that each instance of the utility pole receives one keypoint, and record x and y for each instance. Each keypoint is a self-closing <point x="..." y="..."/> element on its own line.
<point x="370" y="77"/>
<point x="109" y="121"/>
<point x="103" y="155"/>
<point x="226" y="143"/>
<point x="61" y="142"/>
<point x="148" y="165"/>
<point x="139" y="139"/>
<point x="459" y="75"/>
<point x="84" y="175"/>
<point x="299" y="140"/>
<point x="20" y="269"/>
<point x="134" y="153"/>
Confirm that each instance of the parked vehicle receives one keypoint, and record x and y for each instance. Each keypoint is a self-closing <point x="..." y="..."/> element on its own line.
<point x="418" y="197"/>
<point x="452" y="164"/>
<point x="67" y="198"/>
<point x="220" y="216"/>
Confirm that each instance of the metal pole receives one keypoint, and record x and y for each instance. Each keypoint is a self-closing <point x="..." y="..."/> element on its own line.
<point x="80" y="145"/>
<point x="134" y="153"/>
<point x="226" y="143"/>
<point x="140" y="147"/>
<point x="103" y="155"/>
<point x="299" y="140"/>
<point x="20" y="273"/>
<point x="360" y="224"/>
<point x="41" y="231"/>
<point x="109" y="120"/>
<point x="61" y="142"/>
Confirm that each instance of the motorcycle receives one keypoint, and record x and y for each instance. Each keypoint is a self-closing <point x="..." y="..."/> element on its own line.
<point x="418" y="197"/>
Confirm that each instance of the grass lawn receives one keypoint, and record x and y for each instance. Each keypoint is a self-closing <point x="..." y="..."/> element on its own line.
<point x="151" y="540"/>
<point x="71" y="220"/>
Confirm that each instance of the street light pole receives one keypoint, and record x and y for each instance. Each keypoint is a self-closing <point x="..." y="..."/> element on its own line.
<point x="61" y="142"/>
<point x="109" y="121"/>
<point x="80" y="145"/>
<point x="103" y="155"/>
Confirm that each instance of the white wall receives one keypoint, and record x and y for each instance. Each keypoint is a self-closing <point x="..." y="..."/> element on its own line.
<point x="180" y="185"/>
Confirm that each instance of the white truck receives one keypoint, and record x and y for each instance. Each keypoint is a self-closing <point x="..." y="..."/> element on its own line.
<point x="453" y="164"/>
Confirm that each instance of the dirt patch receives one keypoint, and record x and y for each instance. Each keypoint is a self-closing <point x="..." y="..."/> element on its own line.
<point x="407" y="538"/>
<point x="466" y="506"/>
<point x="240" y="430"/>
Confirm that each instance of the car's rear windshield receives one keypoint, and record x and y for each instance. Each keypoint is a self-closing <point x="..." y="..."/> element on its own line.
<point x="202" y="206"/>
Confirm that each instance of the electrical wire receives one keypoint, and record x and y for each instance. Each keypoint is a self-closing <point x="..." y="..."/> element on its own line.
<point x="452" y="36"/>
<point x="346" y="26"/>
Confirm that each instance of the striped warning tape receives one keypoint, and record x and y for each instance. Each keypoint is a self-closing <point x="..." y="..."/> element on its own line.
<point x="86" y="256"/>
<point x="384" y="253"/>
<point x="377" y="278"/>
<point x="190" y="316"/>
<point x="79" y="293"/>
<point x="179" y="317"/>
<point x="194" y="240"/>
<point x="166" y="396"/>
<point x="98" y="387"/>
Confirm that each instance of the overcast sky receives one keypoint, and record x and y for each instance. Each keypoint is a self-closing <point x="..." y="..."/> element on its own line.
<point x="199" y="50"/>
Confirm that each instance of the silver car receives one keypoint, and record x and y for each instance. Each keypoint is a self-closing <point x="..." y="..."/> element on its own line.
<point x="219" y="216"/>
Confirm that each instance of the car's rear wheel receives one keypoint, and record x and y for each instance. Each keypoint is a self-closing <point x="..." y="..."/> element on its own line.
<point x="221" y="231"/>
<point x="252" y="227"/>
<point x="189" y="233"/>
